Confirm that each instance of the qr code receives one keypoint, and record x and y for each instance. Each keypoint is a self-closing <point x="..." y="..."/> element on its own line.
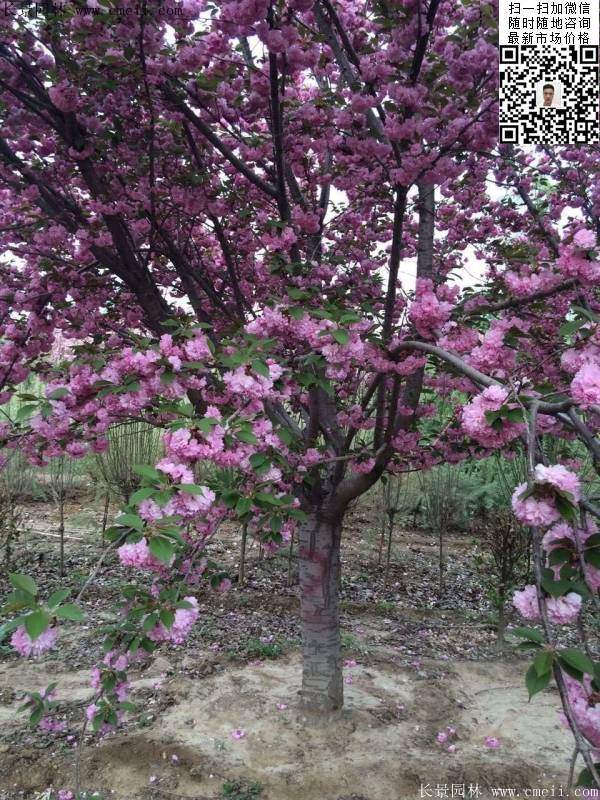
<point x="549" y="95"/>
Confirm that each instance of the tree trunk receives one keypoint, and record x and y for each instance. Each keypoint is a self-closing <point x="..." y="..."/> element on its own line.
<point x="501" y="619"/>
<point x="319" y="556"/>
<point x="61" y="530"/>
<point x="388" y="556"/>
<point x="242" y="572"/>
<point x="290" y="560"/>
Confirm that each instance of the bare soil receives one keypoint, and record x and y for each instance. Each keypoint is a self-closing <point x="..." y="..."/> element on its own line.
<point x="422" y="664"/>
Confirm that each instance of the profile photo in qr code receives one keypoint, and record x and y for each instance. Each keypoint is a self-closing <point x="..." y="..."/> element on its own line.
<point x="548" y="93"/>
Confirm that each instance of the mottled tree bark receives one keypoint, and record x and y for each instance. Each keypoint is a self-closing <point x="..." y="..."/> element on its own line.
<point x="319" y="556"/>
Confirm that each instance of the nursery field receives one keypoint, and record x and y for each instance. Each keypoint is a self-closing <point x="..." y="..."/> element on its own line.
<point x="220" y="716"/>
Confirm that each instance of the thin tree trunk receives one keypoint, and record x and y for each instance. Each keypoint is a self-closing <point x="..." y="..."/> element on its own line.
<point x="290" y="558"/>
<point x="441" y="559"/>
<point x="501" y="619"/>
<point x="61" y="531"/>
<point x="381" y="539"/>
<point x="388" y="556"/>
<point x="105" y="516"/>
<point x="319" y="556"/>
<point x="242" y="575"/>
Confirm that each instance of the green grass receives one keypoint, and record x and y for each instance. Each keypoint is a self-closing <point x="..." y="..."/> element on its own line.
<point x="254" y="648"/>
<point x="241" y="790"/>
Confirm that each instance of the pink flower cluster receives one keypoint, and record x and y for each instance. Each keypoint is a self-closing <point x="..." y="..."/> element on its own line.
<point x="539" y="509"/>
<point x="431" y="307"/>
<point x="182" y="624"/>
<point x="25" y="646"/>
<point x="561" y="610"/>
<point x="585" y="386"/>
<point x="138" y="555"/>
<point x="555" y="537"/>
<point x="585" y="711"/>
<point x="476" y="425"/>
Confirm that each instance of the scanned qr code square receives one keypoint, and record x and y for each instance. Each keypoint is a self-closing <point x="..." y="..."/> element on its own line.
<point x="525" y="67"/>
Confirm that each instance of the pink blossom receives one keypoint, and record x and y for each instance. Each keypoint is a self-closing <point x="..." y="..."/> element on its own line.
<point x="451" y="748"/>
<point x="475" y="422"/>
<point x="350" y="662"/>
<point x="533" y="510"/>
<point x="52" y="725"/>
<point x="492" y="742"/>
<point x="585" y="386"/>
<point x="585" y="239"/>
<point x="64" y="97"/>
<point x="238" y="733"/>
<point x="90" y="711"/>
<point x="25" y="646"/>
<point x="182" y="624"/>
<point x="197" y="349"/>
<point x="348" y="679"/>
<point x="559" y="477"/>
<point x="224" y="585"/>
<point x="65" y="794"/>
<point x="281" y="706"/>
<point x="564" y="610"/>
<point x="586" y="713"/>
<point x="138" y="555"/>
<point x="442" y="737"/>
<point x="95" y="678"/>
<point x="526" y="603"/>
<point x="177" y="472"/>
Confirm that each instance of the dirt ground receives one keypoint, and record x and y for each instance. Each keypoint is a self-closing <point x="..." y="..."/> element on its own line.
<point x="421" y="665"/>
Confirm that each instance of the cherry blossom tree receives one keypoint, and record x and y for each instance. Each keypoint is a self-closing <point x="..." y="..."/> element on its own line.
<point x="215" y="203"/>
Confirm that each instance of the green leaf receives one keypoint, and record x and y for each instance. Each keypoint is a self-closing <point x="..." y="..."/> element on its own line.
<point x="528" y="633"/>
<point x="161" y="548"/>
<point x="586" y="778"/>
<point x="341" y="336"/>
<point x="569" y="328"/>
<point x="514" y="415"/>
<point x="24" y="583"/>
<point x="268" y="499"/>
<point x="259" y="460"/>
<point x="566" y="509"/>
<point x="58" y="597"/>
<point x="247" y="436"/>
<point x="349" y="316"/>
<point x="130" y="521"/>
<point x="577" y="659"/>
<point x="36" y="716"/>
<point x="70" y="611"/>
<point x="141" y="494"/>
<point x="191" y="488"/>
<point x="543" y="662"/>
<point x="59" y="393"/>
<point x="592" y="557"/>
<point x="9" y="627"/>
<point x="536" y="683"/>
<point x="26" y="411"/>
<point x="36" y="623"/>
<point x="150" y="621"/>
<point x="167" y="618"/>
<point x="557" y="588"/>
<point x="559" y="556"/>
<point x="148" y="472"/>
<point x="243" y="506"/>
<point x="297" y="294"/>
<point x="261" y="368"/>
<point x="526" y="646"/>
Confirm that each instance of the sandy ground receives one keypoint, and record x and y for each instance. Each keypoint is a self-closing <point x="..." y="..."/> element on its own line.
<point x="422" y="665"/>
<point x="381" y="747"/>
